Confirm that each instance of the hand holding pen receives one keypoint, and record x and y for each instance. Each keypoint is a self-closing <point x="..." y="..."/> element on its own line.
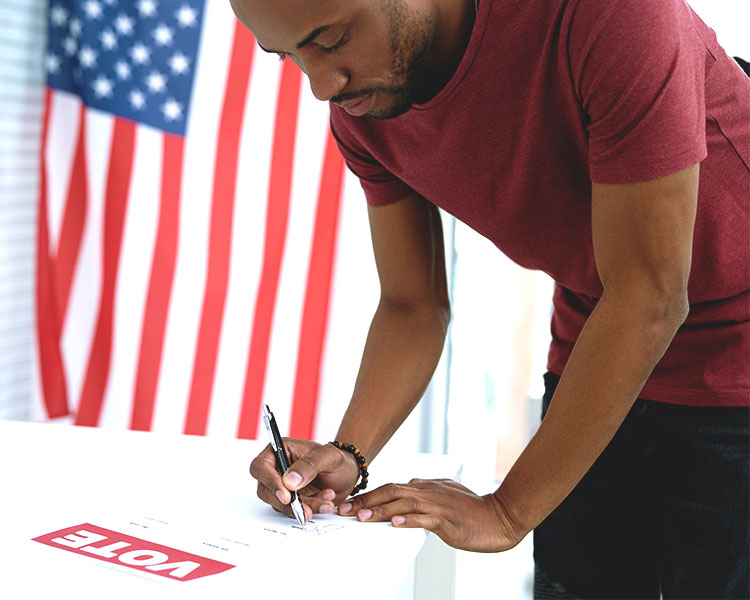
<point x="320" y="474"/>
<point x="282" y="462"/>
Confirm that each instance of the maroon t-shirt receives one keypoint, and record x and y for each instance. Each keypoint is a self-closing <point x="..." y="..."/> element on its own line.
<point x="553" y="94"/>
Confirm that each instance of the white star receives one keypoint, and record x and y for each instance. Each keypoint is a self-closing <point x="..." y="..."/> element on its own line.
<point x="75" y="27"/>
<point x="147" y="8"/>
<point x="70" y="46"/>
<point x="122" y="69"/>
<point x="163" y="35"/>
<point x="58" y="15"/>
<point x="93" y="9"/>
<point x="172" y="110"/>
<point x="137" y="99"/>
<point x="87" y="57"/>
<point x="156" y="82"/>
<point x="140" y="54"/>
<point x="102" y="87"/>
<point x="52" y="62"/>
<point x="108" y="39"/>
<point x="179" y="63"/>
<point x="124" y="24"/>
<point x="186" y="16"/>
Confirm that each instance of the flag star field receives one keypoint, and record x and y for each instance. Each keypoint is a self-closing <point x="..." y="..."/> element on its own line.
<point x="132" y="59"/>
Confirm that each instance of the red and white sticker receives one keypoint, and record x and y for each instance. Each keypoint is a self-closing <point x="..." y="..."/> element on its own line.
<point x="135" y="553"/>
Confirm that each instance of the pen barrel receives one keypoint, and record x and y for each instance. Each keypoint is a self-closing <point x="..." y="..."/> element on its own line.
<point x="282" y="460"/>
<point x="282" y="464"/>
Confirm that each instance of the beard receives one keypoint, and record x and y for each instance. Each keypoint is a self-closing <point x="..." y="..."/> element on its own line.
<point x="411" y="38"/>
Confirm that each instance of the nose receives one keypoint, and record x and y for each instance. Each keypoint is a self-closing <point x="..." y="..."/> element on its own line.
<point x="326" y="81"/>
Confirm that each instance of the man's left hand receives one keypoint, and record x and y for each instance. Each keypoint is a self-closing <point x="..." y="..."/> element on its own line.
<point x="458" y="516"/>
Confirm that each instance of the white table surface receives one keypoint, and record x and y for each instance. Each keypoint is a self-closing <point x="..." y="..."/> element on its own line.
<point x="56" y="476"/>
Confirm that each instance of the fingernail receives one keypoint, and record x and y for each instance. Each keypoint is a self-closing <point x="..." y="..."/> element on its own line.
<point x="364" y="514"/>
<point x="326" y="509"/>
<point x="292" y="479"/>
<point x="398" y="520"/>
<point x="329" y="495"/>
<point x="280" y="496"/>
<point x="345" y="508"/>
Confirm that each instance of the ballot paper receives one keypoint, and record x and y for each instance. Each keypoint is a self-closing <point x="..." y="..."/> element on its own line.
<point x="163" y="549"/>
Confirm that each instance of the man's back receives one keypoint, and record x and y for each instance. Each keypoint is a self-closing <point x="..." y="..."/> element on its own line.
<point x="547" y="98"/>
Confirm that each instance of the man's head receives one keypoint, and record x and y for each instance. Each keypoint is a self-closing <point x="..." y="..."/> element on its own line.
<point x="374" y="57"/>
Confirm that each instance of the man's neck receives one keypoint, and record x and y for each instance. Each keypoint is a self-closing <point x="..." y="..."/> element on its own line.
<point x="455" y="21"/>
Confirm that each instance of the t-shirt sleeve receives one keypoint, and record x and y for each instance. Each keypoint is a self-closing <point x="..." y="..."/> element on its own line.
<point x="639" y="69"/>
<point x="381" y="187"/>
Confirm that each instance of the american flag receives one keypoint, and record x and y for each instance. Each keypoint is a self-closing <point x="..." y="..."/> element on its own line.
<point x="189" y="212"/>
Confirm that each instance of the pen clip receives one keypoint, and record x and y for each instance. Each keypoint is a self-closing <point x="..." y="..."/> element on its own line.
<point x="267" y="416"/>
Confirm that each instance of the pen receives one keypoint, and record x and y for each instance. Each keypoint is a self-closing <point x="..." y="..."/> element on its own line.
<point x="282" y="462"/>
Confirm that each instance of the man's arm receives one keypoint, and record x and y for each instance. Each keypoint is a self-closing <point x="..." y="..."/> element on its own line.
<point x="409" y="327"/>
<point x="402" y="350"/>
<point x="642" y="236"/>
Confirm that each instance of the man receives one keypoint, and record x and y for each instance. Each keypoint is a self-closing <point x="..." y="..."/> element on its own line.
<point x="606" y="144"/>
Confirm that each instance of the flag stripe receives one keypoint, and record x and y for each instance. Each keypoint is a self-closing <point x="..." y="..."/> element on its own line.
<point x="317" y="295"/>
<point x="116" y="195"/>
<point x="277" y="215"/>
<point x="48" y="329"/>
<point x="225" y="177"/>
<point x="160" y="285"/>
<point x="74" y="217"/>
<point x="248" y="226"/>
<point x="185" y="305"/>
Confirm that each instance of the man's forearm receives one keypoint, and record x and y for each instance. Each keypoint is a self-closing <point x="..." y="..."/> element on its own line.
<point x="402" y="350"/>
<point x="614" y="355"/>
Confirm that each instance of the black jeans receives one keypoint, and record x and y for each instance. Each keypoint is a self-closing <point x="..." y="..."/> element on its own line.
<point x="664" y="510"/>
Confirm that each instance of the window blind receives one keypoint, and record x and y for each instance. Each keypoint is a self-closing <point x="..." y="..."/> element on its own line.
<point x="22" y="39"/>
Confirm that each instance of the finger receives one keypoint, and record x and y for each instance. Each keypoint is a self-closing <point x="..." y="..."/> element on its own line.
<point x="263" y="468"/>
<point x="407" y="505"/>
<point x="434" y="523"/>
<point x="270" y="498"/>
<point x="321" y="501"/>
<point x="307" y="467"/>
<point x="382" y="495"/>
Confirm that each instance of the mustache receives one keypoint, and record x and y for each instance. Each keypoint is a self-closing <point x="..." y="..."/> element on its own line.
<point x="351" y="95"/>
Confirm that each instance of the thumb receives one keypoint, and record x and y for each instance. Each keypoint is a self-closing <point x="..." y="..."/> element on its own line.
<point x="307" y="467"/>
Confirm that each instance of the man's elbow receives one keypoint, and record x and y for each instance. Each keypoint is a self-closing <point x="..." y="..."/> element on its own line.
<point x="665" y="313"/>
<point x="434" y="308"/>
<point x="658" y="310"/>
<point x="673" y="308"/>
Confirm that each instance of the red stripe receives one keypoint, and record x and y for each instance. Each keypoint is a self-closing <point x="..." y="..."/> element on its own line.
<point x="74" y="217"/>
<point x="48" y="327"/>
<point x="277" y="215"/>
<point x="117" y="190"/>
<point x="222" y="209"/>
<point x="317" y="295"/>
<point x="160" y="284"/>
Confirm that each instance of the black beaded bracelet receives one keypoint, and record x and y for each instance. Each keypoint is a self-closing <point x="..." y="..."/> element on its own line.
<point x="361" y="462"/>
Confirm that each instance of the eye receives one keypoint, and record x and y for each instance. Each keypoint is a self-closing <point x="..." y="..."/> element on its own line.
<point x="336" y="46"/>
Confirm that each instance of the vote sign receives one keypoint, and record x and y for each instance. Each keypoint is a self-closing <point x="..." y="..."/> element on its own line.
<point x="126" y="550"/>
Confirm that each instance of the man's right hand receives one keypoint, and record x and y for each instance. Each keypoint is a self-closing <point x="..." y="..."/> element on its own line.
<point x="322" y="474"/>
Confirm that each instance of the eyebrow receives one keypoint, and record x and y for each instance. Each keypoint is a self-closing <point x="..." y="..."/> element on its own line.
<point x="308" y="39"/>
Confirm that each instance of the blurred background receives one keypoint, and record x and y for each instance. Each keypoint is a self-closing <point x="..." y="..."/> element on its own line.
<point x="181" y="242"/>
